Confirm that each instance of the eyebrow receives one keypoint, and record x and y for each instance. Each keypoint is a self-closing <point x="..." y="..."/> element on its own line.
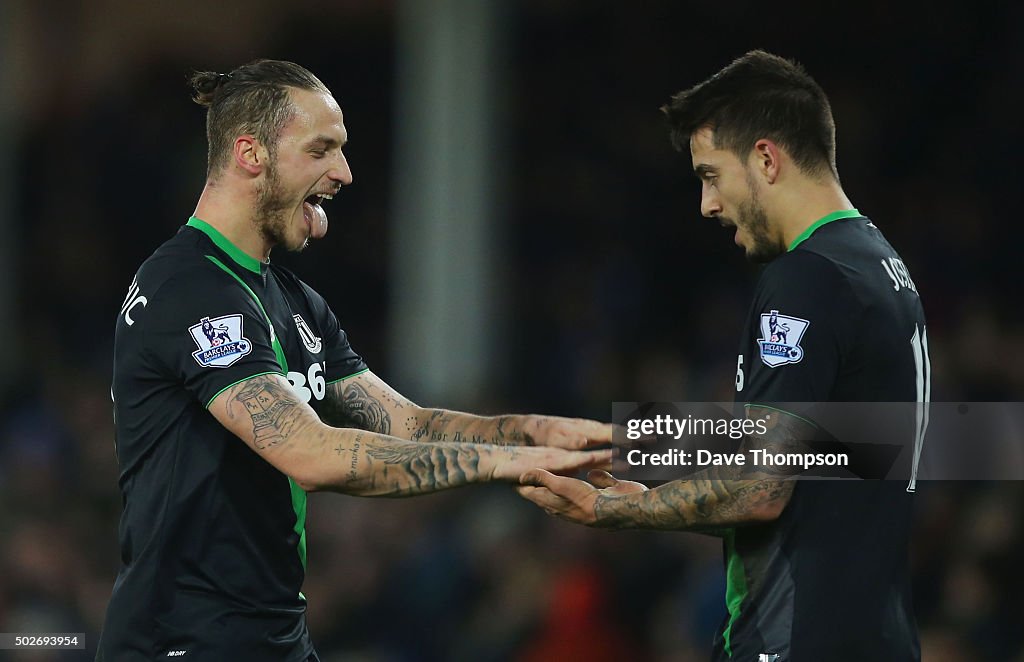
<point x="326" y="141"/>
<point x="702" y="170"/>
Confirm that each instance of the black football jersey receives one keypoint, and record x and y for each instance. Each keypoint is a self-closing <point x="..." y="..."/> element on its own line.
<point x="212" y="537"/>
<point x="837" y="318"/>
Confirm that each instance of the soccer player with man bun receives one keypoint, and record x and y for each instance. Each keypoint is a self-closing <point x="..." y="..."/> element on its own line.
<point x="817" y="570"/>
<point x="236" y="391"/>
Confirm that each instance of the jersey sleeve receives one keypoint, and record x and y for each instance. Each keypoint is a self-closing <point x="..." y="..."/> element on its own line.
<point x="799" y="330"/>
<point x="341" y="360"/>
<point x="210" y="334"/>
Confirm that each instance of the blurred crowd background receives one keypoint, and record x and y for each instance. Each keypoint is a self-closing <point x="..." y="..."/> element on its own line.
<point x="602" y="283"/>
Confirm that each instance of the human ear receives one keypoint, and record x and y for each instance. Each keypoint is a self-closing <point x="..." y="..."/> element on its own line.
<point x="249" y="154"/>
<point x="766" y="159"/>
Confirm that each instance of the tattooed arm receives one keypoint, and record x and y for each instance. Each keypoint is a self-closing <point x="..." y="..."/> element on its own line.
<point x="718" y="497"/>
<point x="714" y="498"/>
<point x="265" y="413"/>
<point x="367" y="402"/>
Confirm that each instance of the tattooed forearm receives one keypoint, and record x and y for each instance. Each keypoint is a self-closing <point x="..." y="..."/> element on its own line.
<point x="399" y="468"/>
<point x="700" y="504"/>
<point x="718" y="496"/>
<point x="272" y="407"/>
<point x="444" y="425"/>
<point x="365" y="411"/>
<point x="364" y="403"/>
<point x="357" y="446"/>
<point x="429" y="466"/>
<point x="368" y="403"/>
<point x="267" y="414"/>
<point x="429" y="428"/>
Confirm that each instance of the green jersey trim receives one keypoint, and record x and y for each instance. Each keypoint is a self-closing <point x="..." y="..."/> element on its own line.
<point x="237" y="254"/>
<point x="243" y="379"/>
<point x="735" y="587"/>
<point x="299" y="506"/>
<point x="834" y="216"/>
<point x="278" y="349"/>
<point x="298" y="494"/>
<point x="354" y="374"/>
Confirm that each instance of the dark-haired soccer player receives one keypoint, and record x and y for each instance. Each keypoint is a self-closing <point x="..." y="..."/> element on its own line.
<point x="229" y="375"/>
<point x="817" y="570"/>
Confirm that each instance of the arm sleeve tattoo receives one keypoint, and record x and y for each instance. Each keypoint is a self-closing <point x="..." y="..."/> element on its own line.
<point x="714" y="498"/>
<point x="364" y="462"/>
<point x="380" y="466"/>
<point x="369" y="404"/>
<point x="364" y="411"/>
<point x="271" y="407"/>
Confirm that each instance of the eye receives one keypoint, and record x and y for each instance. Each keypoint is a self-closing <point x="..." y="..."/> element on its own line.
<point x="318" y="153"/>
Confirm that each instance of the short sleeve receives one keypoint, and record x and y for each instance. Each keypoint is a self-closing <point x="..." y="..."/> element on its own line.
<point x="341" y="360"/>
<point x="209" y="334"/>
<point x="798" y="330"/>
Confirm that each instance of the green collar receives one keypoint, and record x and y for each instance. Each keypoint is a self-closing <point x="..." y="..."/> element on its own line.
<point x="834" y="216"/>
<point x="234" y="252"/>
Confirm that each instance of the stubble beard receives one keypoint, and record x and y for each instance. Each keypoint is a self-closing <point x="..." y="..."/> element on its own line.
<point x="273" y="212"/>
<point x="754" y="220"/>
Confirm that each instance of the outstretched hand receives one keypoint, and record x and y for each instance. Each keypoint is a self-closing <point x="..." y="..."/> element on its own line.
<point x="571" y="499"/>
<point x="570" y="433"/>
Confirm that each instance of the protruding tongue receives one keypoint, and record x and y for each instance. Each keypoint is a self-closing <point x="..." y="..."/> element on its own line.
<point x="316" y="218"/>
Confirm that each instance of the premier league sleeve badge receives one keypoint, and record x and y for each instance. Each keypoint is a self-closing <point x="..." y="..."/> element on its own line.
<point x="220" y="341"/>
<point x="779" y="343"/>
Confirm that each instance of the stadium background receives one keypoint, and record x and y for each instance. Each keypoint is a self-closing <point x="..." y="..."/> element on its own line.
<point x="519" y="237"/>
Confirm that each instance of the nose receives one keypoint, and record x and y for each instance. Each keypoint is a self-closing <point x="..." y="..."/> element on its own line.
<point x="341" y="173"/>
<point x="709" y="204"/>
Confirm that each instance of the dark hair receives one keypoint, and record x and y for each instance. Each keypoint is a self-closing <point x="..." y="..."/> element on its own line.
<point x="759" y="95"/>
<point x="251" y="99"/>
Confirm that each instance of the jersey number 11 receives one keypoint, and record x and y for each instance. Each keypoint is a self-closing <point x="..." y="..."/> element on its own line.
<point x="923" y="385"/>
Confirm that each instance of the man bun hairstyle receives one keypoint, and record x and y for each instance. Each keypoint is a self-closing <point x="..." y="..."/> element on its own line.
<point x="204" y="84"/>
<point x="759" y="95"/>
<point x="252" y="99"/>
